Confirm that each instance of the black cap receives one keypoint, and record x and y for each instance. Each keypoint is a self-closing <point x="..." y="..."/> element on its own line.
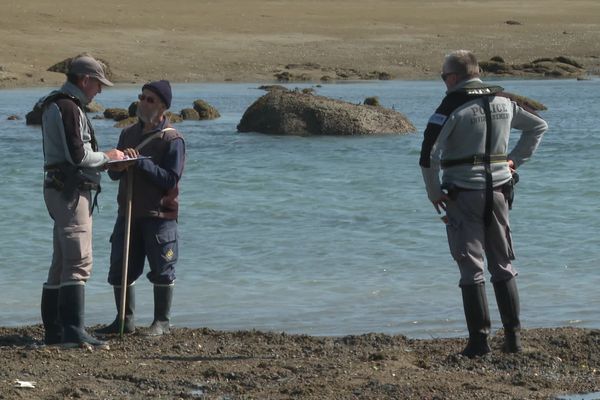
<point x="162" y="89"/>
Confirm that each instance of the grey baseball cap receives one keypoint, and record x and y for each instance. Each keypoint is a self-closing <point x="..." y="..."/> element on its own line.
<point x="86" y="65"/>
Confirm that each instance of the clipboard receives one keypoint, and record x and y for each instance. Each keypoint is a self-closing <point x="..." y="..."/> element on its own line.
<point x="113" y="162"/>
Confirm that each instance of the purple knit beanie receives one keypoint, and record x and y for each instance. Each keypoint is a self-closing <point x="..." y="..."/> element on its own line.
<point x="162" y="89"/>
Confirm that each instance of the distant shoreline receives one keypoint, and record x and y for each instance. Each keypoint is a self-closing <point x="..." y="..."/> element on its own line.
<point x="257" y="41"/>
<point x="117" y="84"/>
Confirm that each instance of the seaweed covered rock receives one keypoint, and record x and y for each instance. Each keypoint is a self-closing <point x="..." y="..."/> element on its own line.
<point x="294" y="113"/>
<point x="558" y="67"/>
<point x="34" y="117"/>
<point x="132" y="109"/>
<point x="117" y="114"/>
<point x="189" y="114"/>
<point x="205" y="110"/>
<point x="63" y="66"/>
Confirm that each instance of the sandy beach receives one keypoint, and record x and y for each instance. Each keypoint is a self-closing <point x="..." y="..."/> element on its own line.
<point x="252" y="41"/>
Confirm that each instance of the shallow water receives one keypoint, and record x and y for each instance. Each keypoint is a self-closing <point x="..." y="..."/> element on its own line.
<point x="322" y="235"/>
<point x="586" y="396"/>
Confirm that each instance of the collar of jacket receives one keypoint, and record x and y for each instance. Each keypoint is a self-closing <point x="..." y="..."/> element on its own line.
<point x="475" y="87"/>
<point x="74" y="91"/>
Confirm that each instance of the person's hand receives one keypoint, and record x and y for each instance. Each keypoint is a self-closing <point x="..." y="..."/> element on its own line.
<point x="131" y="153"/>
<point x="440" y="204"/>
<point x="122" y="166"/>
<point x="511" y="166"/>
<point x="114" y="154"/>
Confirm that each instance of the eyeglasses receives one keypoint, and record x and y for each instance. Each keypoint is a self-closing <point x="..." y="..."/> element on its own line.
<point x="445" y="75"/>
<point x="148" y="99"/>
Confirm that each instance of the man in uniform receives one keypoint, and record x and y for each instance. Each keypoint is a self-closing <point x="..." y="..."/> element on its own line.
<point x="467" y="137"/>
<point x="155" y="206"/>
<point x="72" y="163"/>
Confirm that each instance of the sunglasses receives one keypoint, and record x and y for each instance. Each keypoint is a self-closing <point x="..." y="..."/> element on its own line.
<point x="148" y="99"/>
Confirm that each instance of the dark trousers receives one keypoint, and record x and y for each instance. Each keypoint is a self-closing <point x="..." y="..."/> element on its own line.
<point x="151" y="238"/>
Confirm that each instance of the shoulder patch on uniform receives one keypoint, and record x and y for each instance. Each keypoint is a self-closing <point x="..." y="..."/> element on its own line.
<point x="437" y="119"/>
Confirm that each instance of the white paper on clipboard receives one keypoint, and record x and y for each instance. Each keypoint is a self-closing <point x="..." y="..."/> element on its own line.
<point x="113" y="162"/>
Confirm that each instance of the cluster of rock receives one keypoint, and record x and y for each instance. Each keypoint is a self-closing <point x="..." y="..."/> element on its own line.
<point x="285" y="112"/>
<point x="312" y="71"/>
<point x="201" y="111"/>
<point x="558" y="67"/>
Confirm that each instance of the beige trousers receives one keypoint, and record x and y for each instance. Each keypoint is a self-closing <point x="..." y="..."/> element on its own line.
<point x="72" y="238"/>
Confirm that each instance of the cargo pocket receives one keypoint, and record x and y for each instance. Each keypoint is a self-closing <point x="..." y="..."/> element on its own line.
<point x="167" y="243"/>
<point x="455" y="239"/>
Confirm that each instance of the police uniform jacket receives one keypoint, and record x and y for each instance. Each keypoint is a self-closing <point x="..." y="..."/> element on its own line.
<point x="455" y="138"/>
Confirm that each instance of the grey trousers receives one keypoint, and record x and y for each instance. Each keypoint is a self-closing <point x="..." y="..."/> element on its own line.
<point x="470" y="240"/>
<point x="72" y="238"/>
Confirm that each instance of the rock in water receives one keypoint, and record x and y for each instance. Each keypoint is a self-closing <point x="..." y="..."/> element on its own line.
<point x="205" y="110"/>
<point x="294" y="113"/>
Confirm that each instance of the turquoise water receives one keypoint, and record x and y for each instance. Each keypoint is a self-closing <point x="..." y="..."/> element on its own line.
<point x="322" y="235"/>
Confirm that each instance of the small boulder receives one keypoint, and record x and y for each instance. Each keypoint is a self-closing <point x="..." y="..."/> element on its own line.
<point x="205" y="110"/>
<point x="118" y="114"/>
<point x="63" y="66"/>
<point x="132" y="110"/>
<point x="268" y="88"/>
<point x="526" y="102"/>
<point x="94" y="107"/>
<point x="34" y="117"/>
<point x="13" y="117"/>
<point x="372" y="101"/>
<point x="189" y="114"/>
<point x="126" y="122"/>
<point x="174" y="118"/>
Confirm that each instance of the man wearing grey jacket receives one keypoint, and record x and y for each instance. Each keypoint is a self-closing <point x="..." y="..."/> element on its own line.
<point x="467" y="138"/>
<point x="72" y="165"/>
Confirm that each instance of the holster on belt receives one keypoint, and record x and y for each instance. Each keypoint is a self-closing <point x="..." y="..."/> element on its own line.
<point x="68" y="179"/>
<point x="508" y="189"/>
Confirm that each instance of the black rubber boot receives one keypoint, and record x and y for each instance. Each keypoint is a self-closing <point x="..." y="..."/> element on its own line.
<point x="507" y="297"/>
<point x="163" y="297"/>
<point x="115" y="326"/>
<point x="478" y="320"/>
<point x="49" y="308"/>
<point x="71" y="300"/>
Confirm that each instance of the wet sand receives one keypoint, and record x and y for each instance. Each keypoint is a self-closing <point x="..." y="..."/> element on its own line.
<point x="207" y="364"/>
<point x="252" y="40"/>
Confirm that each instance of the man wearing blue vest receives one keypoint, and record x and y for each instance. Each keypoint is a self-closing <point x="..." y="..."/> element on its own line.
<point x="154" y="211"/>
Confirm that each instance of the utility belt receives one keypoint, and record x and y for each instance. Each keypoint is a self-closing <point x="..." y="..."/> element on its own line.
<point x="508" y="190"/>
<point x="69" y="179"/>
<point x="475" y="159"/>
